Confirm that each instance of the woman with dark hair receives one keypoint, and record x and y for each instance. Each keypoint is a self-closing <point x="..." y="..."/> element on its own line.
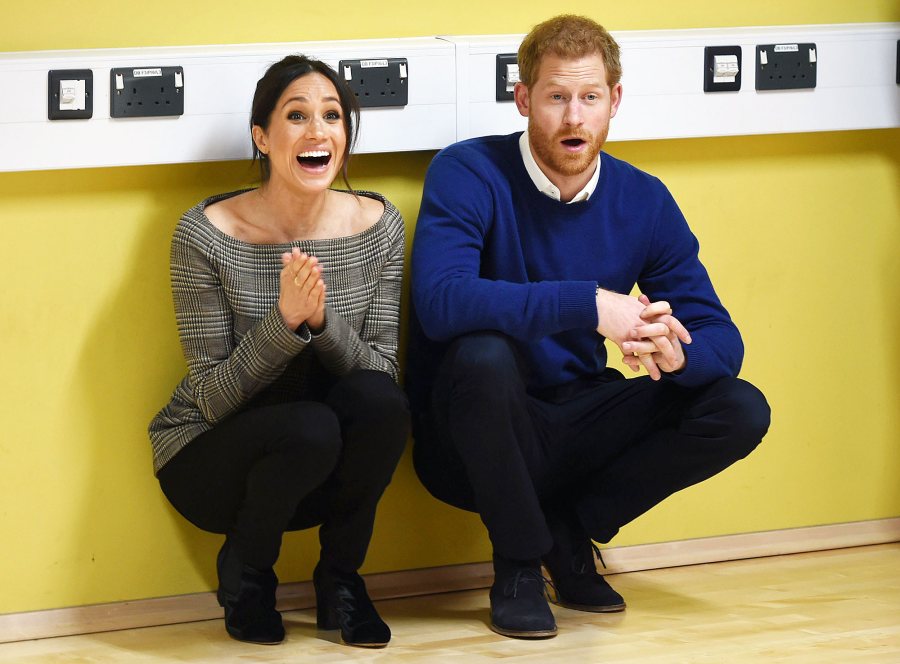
<point x="287" y="300"/>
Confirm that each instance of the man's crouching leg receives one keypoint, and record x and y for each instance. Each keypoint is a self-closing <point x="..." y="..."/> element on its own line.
<point x="480" y="451"/>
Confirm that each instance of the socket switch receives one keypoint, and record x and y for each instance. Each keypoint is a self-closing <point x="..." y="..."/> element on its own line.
<point x="70" y="94"/>
<point x="721" y="68"/>
<point x="507" y="75"/>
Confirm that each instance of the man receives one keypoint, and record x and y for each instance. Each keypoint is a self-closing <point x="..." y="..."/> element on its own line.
<point x="524" y="249"/>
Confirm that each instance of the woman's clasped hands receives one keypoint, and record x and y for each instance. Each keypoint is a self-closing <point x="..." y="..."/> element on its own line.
<point x="302" y="293"/>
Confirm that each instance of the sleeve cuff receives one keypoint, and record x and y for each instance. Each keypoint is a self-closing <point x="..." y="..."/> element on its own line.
<point x="578" y="304"/>
<point x="282" y="337"/>
<point x="697" y="370"/>
<point x="329" y="338"/>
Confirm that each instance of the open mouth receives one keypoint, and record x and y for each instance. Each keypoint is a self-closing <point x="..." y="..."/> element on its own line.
<point x="314" y="158"/>
<point x="574" y="142"/>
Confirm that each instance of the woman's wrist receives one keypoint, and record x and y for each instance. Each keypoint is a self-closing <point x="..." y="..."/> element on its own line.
<point x="316" y="324"/>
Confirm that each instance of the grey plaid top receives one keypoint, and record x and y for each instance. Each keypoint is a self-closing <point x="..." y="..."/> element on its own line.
<point x="237" y="346"/>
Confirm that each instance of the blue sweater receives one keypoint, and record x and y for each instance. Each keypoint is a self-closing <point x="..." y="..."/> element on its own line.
<point x="493" y="253"/>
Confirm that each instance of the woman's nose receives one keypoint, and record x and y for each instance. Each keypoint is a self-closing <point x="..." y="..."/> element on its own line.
<point x="316" y="127"/>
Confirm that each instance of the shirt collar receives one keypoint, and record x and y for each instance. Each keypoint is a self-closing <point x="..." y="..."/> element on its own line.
<point x="542" y="182"/>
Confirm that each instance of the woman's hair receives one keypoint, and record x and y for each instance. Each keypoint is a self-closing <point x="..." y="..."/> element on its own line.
<point x="276" y="80"/>
<point x="568" y="36"/>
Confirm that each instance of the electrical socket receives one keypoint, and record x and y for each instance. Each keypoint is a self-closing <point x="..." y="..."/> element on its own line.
<point x="136" y="92"/>
<point x="507" y="75"/>
<point x="377" y="82"/>
<point x="785" y="66"/>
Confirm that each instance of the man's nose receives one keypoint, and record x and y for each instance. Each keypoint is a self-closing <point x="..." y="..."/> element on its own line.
<point x="573" y="113"/>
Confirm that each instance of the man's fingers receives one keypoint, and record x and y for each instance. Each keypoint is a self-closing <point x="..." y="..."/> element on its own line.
<point x="674" y="325"/>
<point x="656" y="329"/>
<point x="656" y="344"/>
<point x="665" y="347"/>
<point x="661" y="312"/>
<point x="680" y="330"/>
<point x="641" y="347"/>
<point x="656" y="309"/>
<point x="650" y="365"/>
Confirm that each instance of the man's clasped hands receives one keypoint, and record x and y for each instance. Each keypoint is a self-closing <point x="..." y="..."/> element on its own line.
<point x="646" y="332"/>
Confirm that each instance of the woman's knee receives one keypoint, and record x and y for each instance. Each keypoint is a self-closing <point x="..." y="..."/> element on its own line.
<point x="372" y="397"/>
<point x="308" y="429"/>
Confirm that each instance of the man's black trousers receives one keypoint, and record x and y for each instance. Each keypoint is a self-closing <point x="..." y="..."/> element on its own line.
<point x="596" y="452"/>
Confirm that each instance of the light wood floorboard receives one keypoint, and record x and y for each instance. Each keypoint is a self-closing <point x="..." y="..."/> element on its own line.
<point x="828" y="606"/>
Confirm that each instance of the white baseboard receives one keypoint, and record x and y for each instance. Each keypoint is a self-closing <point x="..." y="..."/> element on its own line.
<point x="408" y="583"/>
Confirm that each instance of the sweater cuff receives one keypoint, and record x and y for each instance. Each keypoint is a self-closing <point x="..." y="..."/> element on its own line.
<point x="578" y="304"/>
<point x="698" y="370"/>
<point x="283" y="338"/>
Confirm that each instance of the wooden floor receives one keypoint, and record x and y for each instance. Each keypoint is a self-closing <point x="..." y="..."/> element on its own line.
<point x="831" y="606"/>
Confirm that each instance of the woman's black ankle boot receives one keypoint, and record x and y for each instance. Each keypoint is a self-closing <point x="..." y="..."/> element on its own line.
<point x="248" y="597"/>
<point x="343" y="603"/>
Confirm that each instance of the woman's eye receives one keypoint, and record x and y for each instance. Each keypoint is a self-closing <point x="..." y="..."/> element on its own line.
<point x="332" y="115"/>
<point x="295" y="115"/>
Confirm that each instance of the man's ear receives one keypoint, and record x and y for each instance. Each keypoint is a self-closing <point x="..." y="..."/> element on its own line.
<point x="520" y="94"/>
<point x="259" y="137"/>
<point x="615" y="98"/>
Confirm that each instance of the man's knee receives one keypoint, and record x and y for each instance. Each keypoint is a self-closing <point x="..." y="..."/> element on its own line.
<point x="745" y="413"/>
<point x="487" y="358"/>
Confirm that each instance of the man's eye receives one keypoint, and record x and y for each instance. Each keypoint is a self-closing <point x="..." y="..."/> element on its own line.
<point x="592" y="97"/>
<point x="556" y="97"/>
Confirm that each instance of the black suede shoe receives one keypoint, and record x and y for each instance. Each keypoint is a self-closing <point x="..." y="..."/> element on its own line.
<point x="343" y="603"/>
<point x="519" y="601"/>
<point x="248" y="597"/>
<point x="574" y="575"/>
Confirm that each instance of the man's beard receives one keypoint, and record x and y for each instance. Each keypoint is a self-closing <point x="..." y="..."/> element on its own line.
<point x="561" y="162"/>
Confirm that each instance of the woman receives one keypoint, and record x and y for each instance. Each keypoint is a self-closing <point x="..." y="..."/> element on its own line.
<point x="287" y="302"/>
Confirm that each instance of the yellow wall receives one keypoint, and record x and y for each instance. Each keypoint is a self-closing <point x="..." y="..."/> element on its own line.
<point x="800" y="233"/>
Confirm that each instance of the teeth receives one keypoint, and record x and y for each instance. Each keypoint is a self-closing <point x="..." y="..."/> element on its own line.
<point x="315" y="153"/>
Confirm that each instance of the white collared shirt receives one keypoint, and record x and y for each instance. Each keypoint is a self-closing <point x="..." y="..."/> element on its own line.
<point x="542" y="182"/>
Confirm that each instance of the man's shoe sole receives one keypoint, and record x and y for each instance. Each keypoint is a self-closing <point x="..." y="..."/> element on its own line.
<point x="524" y="634"/>
<point x="590" y="608"/>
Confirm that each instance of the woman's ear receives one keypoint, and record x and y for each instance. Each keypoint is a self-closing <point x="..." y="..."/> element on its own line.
<point x="259" y="137"/>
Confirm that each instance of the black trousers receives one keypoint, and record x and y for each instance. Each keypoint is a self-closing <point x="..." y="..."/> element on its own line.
<point x="596" y="453"/>
<point x="290" y="466"/>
